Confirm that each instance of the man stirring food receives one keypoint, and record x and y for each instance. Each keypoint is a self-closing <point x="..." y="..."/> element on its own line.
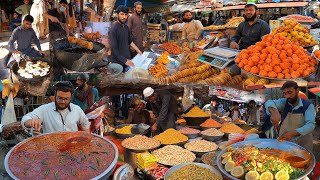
<point x="297" y="120"/>
<point x="251" y="30"/>
<point x="58" y="116"/>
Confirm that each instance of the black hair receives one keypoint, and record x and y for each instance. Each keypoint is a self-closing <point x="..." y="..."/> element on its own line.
<point x="63" y="2"/>
<point x="289" y="84"/>
<point x="250" y="5"/>
<point x="252" y="101"/>
<point x="185" y="12"/>
<point x="214" y="98"/>
<point x="64" y="86"/>
<point x="122" y="8"/>
<point x="137" y="3"/>
<point x="28" y="18"/>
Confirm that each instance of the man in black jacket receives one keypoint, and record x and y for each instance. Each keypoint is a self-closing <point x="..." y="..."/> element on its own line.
<point x="165" y="107"/>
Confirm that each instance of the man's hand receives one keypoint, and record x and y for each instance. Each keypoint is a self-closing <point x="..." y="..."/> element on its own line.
<point x="129" y="63"/>
<point x="42" y="53"/>
<point x="54" y="19"/>
<point x="234" y="45"/>
<point x="139" y="52"/>
<point x="154" y="127"/>
<point x="275" y="117"/>
<point x="33" y="123"/>
<point x="288" y="135"/>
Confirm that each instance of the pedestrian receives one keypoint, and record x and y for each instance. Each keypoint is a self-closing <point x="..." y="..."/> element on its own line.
<point x="136" y="26"/>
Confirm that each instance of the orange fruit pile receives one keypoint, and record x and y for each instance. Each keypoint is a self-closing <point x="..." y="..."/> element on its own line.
<point x="276" y="57"/>
<point x="317" y="54"/>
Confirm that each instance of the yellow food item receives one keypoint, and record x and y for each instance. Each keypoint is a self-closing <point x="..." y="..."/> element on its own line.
<point x="93" y="35"/>
<point x="252" y="175"/>
<point x="226" y="159"/>
<point x="158" y="71"/>
<point x="83" y="43"/>
<point x="229" y="166"/>
<point x="196" y="112"/>
<point x="231" y="128"/>
<point x="171" y="136"/>
<point x="124" y="130"/>
<point x="181" y="120"/>
<point x="226" y="154"/>
<point x="282" y="175"/>
<point x="237" y="171"/>
<point x="251" y="131"/>
<point x="163" y="59"/>
<point x="266" y="176"/>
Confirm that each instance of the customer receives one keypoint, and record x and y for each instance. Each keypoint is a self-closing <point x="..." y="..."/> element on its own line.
<point x="251" y="30"/>
<point x="85" y="95"/>
<point x="38" y="9"/>
<point x="24" y="9"/>
<point x="192" y="30"/>
<point x="139" y="114"/>
<point x="297" y="121"/>
<point x="58" y="27"/>
<point x="234" y="112"/>
<point x="121" y="40"/>
<point x="136" y="26"/>
<point x="252" y="113"/>
<point x="24" y="35"/>
<point x="212" y="107"/>
<point x="57" y="116"/>
<point x="15" y="22"/>
<point x="164" y="106"/>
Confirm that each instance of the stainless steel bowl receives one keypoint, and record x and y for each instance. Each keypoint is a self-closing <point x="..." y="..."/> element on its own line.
<point x="177" y="167"/>
<point x="269" y="143"/>
<point x="211" y="138"/>
<point x="104" y="175"/>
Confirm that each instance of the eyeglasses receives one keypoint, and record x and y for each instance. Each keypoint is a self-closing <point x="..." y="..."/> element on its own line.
<point x="61" y="99"/>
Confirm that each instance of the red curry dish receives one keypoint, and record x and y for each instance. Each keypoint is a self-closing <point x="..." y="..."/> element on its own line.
<point x="41" y="157"/>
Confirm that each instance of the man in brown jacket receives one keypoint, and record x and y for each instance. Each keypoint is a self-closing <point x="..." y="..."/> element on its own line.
<point x="136" y="26"/>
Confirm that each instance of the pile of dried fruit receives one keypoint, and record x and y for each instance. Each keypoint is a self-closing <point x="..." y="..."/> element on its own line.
<point x="212" y="132"/>
<point x="201" y="146"/>
<point x="189" y="131"/>
<point x="140" y="142"/>
<point x="276" y="57"/>
<point x="171" y="136"/>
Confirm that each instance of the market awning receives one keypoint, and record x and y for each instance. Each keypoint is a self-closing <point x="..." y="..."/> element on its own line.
<point x="266" y="5"/>
<point x="146" y="3"/>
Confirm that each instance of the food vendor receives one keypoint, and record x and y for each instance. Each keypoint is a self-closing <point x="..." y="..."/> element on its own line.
<point x="165" y="107"/>
<point x="212" y="107"/>
<point x="139" y="114"/>
<point x="121" y="40"/>
<point x="297" y="120"/>
<point x="58" y="116"/>
<point x="192" y="29"/>
<point x="24" y="35"/>
<point x="251" y="30"/>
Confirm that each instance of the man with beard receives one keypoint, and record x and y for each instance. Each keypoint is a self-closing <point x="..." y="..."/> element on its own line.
<point x="58" y="116"/>
<point x="84" y="96"/>
<point x="121" y="40"/>
<point x="297" y="120"/>
<point x="139" y="114"/>
<point x="136" y="26"/>
<point x="192" y="30"/>
<point x="251" y="30"/>
<point x="164" y="106"/>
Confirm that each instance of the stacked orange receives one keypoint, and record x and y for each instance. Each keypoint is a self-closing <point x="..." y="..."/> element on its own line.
<point x="276" y="57"/>
<point x="317" y="54"/>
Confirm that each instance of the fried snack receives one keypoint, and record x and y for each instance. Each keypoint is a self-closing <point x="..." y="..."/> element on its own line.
<point x="91" y="36"/>
<point x="234" y="22"/>
<point x="192" y="57"/>
<point x="171" y="47"/>
<point x="163" y="59"/>
<point x="158" y="71"/>
<point x="236" y="80"/>
<point x="83" y="43"/>
<point x="220" y="79"/>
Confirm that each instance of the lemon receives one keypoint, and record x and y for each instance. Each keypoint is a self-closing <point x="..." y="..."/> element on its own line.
<point x="252" y="175"/>
<point x="237" y="171"/>
<point x="224" y="155"/>
<point x="226" y="159"/>
<point x="282" y="175"/>
<point x="229" y="166"/>
<point x="266" y="176"/>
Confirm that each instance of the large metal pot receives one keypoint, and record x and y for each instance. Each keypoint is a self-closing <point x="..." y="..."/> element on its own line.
<point x="79" y="59"/>
<point x="103" y="176"/>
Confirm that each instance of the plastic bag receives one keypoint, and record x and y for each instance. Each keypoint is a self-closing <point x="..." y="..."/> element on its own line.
<point x="9" y="116"/>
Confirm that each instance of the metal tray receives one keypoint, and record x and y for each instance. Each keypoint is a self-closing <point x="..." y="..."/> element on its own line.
<point x="269" y="143"/>
<point x="158" y="50"/>
<point x="177" y="167"/>
<point x="124" y="172"/>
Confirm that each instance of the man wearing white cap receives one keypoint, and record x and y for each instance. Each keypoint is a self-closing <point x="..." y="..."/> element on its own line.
<point x="139" y="114"/>
<point x="165" y="107"/>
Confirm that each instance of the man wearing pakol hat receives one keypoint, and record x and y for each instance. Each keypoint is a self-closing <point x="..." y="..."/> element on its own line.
<point x="139" y="114"/>
<point x="165" y="107"/>
<point x="251" y="30"/>
<point x="85" y="95"/>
